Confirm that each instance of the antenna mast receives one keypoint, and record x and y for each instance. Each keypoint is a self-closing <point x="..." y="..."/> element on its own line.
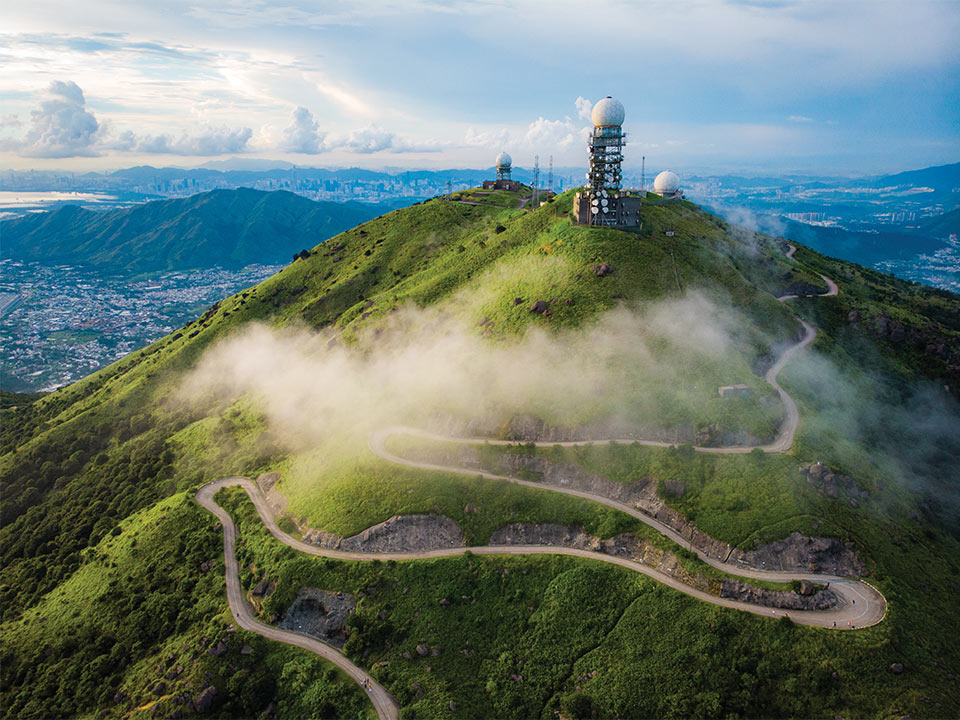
<point x="536" y="180"/>
<point x="643" y="176"/>
<point x="550" y="176"/>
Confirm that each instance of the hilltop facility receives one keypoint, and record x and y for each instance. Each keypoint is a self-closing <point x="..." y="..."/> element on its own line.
<point x="602" y="202"/>
<point x="503" y="181"/>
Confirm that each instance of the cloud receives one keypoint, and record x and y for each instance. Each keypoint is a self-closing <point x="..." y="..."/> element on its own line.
<point x="427" y="363"/>
<point x="62" y="127"/>
<point x="11" y="120"/>
<point x="372" y="139"/>
<point x="302" y="134"/>
<point x="800" y="119"/>
<point x="211" y="140"/>
<point x="584" y="107"/>
<point x="553" y="133"/>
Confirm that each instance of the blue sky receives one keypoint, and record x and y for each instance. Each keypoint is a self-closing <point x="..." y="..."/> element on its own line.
<point x="834" y="87"/>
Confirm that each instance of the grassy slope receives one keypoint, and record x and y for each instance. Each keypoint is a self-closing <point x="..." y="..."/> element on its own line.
<point x="590" y="640"/>
<point x="140" y="606"/>
<point x="80" y="460"/>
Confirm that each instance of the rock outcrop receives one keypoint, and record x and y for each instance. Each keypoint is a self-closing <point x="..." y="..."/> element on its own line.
<point x="401" y="533"/>
<point x="320" y="613"/>
<point x="818" y="599"/>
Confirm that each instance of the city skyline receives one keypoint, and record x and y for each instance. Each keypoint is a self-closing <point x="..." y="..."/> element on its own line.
<point x="779" y="86"/>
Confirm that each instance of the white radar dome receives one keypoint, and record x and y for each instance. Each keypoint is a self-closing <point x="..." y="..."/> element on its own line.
<point x="666" y="182"/>
<point x="504" y="160"/>
<point x="607" y="112"/>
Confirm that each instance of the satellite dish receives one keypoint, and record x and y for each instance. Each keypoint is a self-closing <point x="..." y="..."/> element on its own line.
<point x="594" y="202"/>
<point x="594" y="210"/>
<point x="606" y="209"/>
<point x="603" y="192"/>
<point x="604" y="203"/>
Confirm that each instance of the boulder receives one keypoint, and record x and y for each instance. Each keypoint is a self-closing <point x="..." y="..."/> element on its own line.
<point x="202" y="702"/>
<point x="807" y="587"/>
<point x="219" y="649"/>
<point x="602" y="270"/>
<point x="422" y="650"/>
<point x="896" y="668"/>
<point x="539" y="307"/>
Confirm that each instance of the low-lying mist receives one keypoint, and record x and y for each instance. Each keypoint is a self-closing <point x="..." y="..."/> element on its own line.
<point x="652" y="367"/>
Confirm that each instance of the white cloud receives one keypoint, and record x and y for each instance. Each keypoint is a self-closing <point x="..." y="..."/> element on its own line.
<point x="372" y="139"/>
<point x="210" y="140"/>
<point x="800" y="119"/>
<point x="554" y="133"/>
<point x="62" y="127"/>
<point x="302" y="135"/>
<point x="584" y="107"/>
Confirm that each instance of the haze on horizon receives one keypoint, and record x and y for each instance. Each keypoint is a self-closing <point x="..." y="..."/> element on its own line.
<point x="852" y="87"/>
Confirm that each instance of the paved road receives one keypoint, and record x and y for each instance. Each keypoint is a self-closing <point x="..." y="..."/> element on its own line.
<point x="386" y="707"/>
<point x="860" y="604"/>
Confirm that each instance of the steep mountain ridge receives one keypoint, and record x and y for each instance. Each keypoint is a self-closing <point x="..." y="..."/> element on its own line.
<point x="227" y="228"/>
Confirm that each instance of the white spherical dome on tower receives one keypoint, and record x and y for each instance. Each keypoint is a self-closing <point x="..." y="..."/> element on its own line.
<point x="504" y="160"/>
<point x="607" y="113"/>
<point x="666" y="183"/>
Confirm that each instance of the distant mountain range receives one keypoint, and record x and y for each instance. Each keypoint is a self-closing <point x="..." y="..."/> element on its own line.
<point x="227" y="228"/>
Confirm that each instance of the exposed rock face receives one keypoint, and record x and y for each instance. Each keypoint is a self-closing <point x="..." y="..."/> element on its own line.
<point x="639" y="550"/>
<point x="401" y="533"/>
<point x="320" y="613"/>
<point x="277" y="502"/>
<point x="819" y="600"/>
<point x="806" y="554"/>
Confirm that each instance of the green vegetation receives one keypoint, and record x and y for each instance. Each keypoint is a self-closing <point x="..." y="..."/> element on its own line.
<point x="91" y="469"/>
<point x="525" y="636"/>
<point x="109" y="639"/>
<point x="229" y="228"/>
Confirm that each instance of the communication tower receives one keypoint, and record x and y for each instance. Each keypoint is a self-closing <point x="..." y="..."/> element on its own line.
<point x="606" y="153"/>
<point x="536" y="179"/>
<point x="643" y="173"/>
<point x="601" y="201"/>
<point x="550" y="176"/>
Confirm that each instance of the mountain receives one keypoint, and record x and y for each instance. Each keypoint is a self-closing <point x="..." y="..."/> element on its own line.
<point x="941" y="177"/>
<point x="229" y="228"/>
<point x="941" y="226"/>
<point x="483" y="316"/>
<point x="254" y="164"/>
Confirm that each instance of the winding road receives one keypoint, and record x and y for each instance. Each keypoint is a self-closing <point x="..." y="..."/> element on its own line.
<point x="860" y="604"/>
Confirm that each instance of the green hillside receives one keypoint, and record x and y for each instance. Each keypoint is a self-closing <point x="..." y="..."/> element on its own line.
<point x="101" y="580"/>
<point x="229" y="228"/>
